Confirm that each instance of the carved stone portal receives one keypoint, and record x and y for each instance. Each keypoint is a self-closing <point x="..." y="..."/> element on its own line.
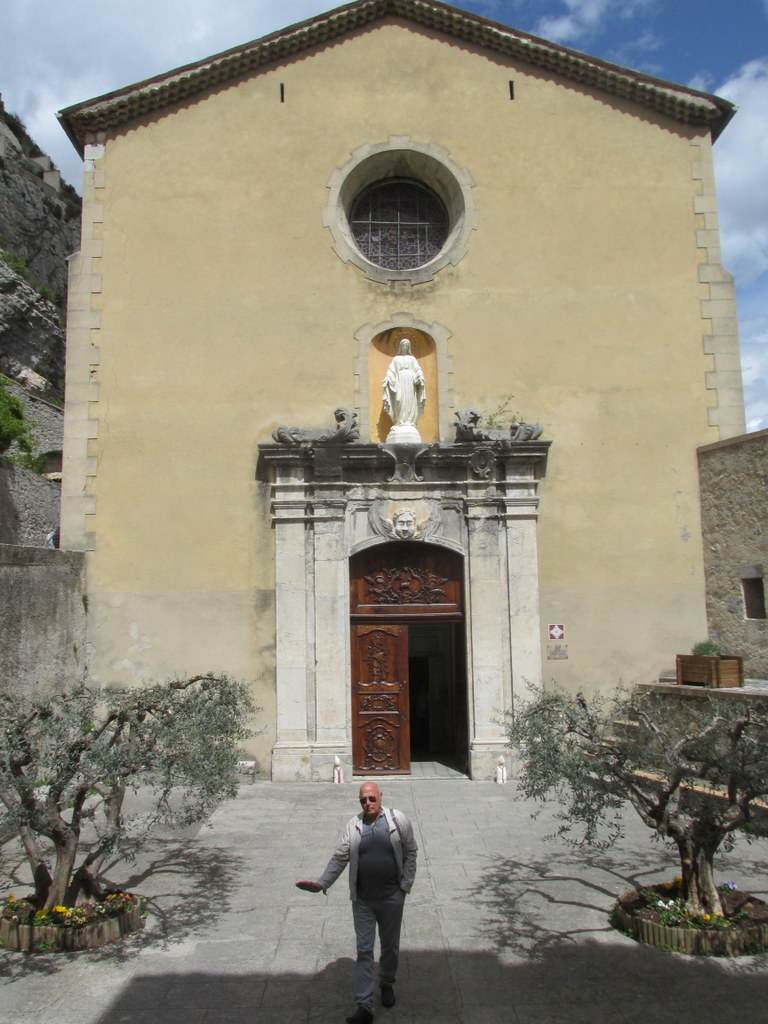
<point x="362" y="558"/>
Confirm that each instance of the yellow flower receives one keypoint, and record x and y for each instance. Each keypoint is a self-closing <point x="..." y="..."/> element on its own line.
<point x="60" y="910"/>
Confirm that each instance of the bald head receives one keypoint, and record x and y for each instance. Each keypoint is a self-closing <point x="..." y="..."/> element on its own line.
<point x="370" y="800"/>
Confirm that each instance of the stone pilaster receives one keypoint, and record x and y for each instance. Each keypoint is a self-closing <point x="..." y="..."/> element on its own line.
<point x="290" y="760"/>
<point x="718" y="303"/>
<point x="78" y="499"/>
<point x="331" y="638"/>
<point x="487" y="634"/>
<point x="520" y="516"/>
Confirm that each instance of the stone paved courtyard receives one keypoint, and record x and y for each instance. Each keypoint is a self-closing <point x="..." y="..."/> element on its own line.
<point x="503" y="926"/>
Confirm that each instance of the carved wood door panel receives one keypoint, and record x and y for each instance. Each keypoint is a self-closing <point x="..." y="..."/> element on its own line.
<point x="406" y="581"/>
<point x="380" y="717"/>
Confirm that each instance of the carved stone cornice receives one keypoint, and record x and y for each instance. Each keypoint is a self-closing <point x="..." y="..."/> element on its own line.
<point x="431" y="463"/>
<point x="440" y="487"/>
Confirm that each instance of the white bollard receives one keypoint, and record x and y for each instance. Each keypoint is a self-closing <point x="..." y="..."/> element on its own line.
<point x="501" y="771"/>
<point x="338" y="771"/>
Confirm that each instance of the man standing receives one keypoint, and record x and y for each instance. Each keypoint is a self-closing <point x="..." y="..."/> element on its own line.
<point x="379" y="847"/>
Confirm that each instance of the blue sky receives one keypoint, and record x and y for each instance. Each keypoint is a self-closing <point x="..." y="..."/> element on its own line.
<point x="55" y="53"/>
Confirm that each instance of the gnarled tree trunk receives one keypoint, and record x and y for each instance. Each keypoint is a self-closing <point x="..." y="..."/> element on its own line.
<point x="699" y="889"/>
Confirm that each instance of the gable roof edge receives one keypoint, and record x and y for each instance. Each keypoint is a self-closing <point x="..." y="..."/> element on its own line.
<point x="112" y="109"/>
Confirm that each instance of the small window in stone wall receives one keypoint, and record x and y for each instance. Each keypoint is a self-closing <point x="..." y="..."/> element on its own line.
<point x="753" y="590"/>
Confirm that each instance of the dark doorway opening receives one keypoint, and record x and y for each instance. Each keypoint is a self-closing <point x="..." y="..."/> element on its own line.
<point x="437" y="694"/>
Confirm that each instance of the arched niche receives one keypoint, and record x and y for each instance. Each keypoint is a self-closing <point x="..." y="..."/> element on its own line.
<point x="383" y="347"/>
<point x="377" y="344"/>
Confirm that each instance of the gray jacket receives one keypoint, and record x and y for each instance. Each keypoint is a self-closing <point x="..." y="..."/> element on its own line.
<point x="347" y="852"/>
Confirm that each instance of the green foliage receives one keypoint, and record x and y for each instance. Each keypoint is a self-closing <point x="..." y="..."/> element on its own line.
<point x="707" y="647"/>
<point x="13" y="425"/>
<point x="19" y="129"/>
<point x="34" y="463"/>
<point x="694" y="771"/>
<point x="502" y="416"/>
<point x="15" y="428"/>
<point x="19" y="266"/>
<point x="17" y="263"/>
<point x="69" y="759"/>
<point x="674" y="912"/>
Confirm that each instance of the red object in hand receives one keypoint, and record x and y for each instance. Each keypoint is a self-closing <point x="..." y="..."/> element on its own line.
<point x="309" y="886"/>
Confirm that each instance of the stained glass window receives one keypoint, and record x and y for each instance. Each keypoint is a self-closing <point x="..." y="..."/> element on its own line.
<point x="399" y="224"/>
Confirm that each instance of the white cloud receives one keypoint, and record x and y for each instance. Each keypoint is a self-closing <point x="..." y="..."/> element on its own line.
<point x="584" y="18"/>
<point x="54" y="54"/>
<point x="701" y="81"/>
<point x="754" y="369"/>
<point x="741" y="166"/>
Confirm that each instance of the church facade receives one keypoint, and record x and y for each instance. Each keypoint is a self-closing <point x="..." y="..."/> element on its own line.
<point x="265" y="233"/>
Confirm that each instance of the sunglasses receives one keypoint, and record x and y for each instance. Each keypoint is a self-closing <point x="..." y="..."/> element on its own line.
<point x="368" y="799"/>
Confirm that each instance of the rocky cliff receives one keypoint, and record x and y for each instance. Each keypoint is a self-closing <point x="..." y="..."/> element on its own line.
<point x="39" y="229"/>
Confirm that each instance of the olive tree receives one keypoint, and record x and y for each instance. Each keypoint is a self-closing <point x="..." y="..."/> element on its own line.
<point x="695" y="770"/>
<point x="68" y="761"/>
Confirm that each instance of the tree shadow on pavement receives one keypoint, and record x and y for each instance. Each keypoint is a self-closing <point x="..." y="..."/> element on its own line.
<point x="532" y="905"/>
<point x="199" y="884"/>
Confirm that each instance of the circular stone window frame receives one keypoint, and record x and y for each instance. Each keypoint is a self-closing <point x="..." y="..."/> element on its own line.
<point x="401" y="157"/>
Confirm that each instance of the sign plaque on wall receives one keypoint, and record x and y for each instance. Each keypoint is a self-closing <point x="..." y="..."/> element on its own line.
<point x="557" y="652"/>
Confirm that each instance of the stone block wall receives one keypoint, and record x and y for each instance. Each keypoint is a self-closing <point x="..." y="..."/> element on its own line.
<point x="29" y="506"/>
<point x="46" y="421"/>
<point x="734" y="503"/>
<point x="42" y="618"/>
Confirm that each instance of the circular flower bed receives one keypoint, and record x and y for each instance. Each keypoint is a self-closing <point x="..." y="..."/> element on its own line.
<point x="84" y="926"/>
<point x="658" y="917"/>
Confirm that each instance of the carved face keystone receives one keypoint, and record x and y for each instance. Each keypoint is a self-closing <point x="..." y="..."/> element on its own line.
<point x="405" y="524"/>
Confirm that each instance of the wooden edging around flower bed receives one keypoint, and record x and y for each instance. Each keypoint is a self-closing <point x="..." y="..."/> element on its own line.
<point x="28" y="938"/>
<point x="738" y="940"/>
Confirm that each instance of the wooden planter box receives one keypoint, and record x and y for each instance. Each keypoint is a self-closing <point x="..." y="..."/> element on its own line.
<point x="710" y="670"/>
<point x="54" y="938"/>
<point x="736" y="941"/>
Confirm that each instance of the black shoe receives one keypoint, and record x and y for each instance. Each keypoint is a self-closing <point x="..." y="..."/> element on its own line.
<point x="387" y="996"/>
<point x="361" y="1016"/>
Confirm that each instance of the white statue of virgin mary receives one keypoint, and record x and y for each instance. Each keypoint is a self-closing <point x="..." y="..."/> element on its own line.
<point x="404" y="395"/>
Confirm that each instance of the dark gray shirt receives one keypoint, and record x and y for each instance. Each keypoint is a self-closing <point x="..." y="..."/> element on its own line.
<point x="377" y="868"/>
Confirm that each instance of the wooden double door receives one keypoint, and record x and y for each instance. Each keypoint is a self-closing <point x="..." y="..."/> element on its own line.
<point x="408" y="681"/>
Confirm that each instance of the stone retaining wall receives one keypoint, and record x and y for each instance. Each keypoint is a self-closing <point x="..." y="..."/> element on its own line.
<point x="29" y="506"/>
<point x="734" y="506"/>
<point x="42" y="618"/>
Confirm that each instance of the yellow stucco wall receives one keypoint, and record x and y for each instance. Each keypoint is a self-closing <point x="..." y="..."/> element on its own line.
<point x="224" y="312"/>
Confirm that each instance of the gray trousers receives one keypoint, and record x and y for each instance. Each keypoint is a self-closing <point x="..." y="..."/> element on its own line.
<point x="388" y="915"/>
